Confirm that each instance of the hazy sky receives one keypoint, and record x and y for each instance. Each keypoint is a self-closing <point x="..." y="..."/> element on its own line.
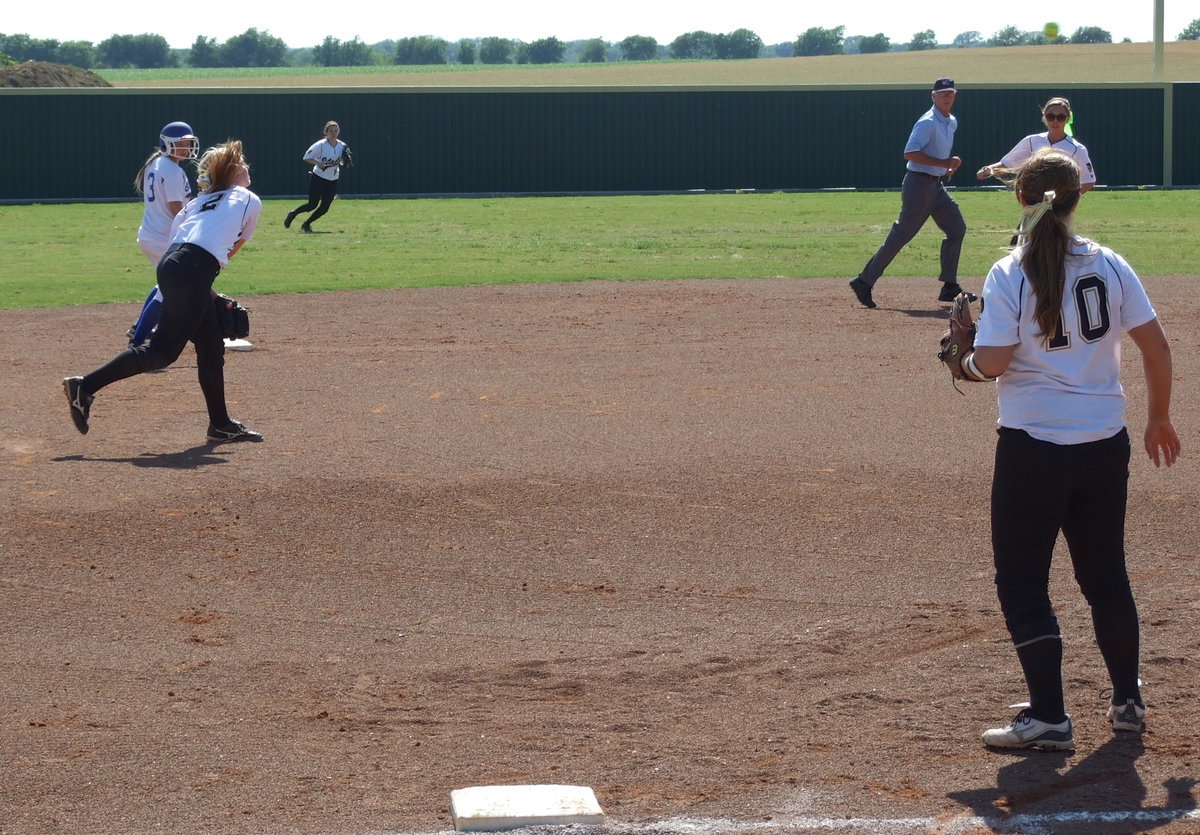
<point x="612" y="20"/>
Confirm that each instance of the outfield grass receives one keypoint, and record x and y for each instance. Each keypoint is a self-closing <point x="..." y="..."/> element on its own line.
<point x="86" y="253"/>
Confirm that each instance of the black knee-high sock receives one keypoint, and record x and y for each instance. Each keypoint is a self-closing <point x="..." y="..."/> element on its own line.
<point x="212" y="384"/>
<point x="126" y="364"/>
<point x="1116" y="626"/>
<point x="1041" y="662"/>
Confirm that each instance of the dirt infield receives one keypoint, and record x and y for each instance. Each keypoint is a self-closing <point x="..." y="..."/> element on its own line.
<point x="694" y="544"/>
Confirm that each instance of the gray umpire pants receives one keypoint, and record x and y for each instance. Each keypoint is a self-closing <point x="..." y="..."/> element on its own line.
<point x="922" y="196"/>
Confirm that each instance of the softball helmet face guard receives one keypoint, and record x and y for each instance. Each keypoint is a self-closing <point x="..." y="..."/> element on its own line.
<point x="178" y="141"/>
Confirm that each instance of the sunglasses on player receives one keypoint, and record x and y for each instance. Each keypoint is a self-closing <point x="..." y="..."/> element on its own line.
<point x="1056" y="117"/>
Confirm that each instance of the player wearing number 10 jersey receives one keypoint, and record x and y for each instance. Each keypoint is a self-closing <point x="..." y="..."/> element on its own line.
<point x="1054" y="313"/>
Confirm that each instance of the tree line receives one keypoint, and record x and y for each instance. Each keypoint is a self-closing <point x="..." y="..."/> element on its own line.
<point x="818" y="41"/>
<point x="254" y="48"/>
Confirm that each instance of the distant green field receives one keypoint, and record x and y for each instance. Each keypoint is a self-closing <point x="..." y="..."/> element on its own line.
<point x="86" y="254"/>
<point x="1064" y="64"/>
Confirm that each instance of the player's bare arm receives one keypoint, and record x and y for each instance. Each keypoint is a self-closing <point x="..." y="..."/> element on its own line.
<point x="1161" y="441"/>
<point x="993" y="360"/>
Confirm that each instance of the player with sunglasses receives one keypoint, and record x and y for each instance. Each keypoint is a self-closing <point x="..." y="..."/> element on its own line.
<point x="1056" y="116"/>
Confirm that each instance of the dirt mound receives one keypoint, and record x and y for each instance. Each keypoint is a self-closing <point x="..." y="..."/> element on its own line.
<point x="46" y="74"/>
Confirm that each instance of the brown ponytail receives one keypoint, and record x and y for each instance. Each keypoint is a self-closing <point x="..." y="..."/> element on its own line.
<point x="1047" y="184"/>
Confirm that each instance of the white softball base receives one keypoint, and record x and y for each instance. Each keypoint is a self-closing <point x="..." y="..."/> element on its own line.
<point x="496" y="808"/>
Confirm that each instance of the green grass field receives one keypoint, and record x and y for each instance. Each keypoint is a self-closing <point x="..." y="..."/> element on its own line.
<point x="86" y="253"/>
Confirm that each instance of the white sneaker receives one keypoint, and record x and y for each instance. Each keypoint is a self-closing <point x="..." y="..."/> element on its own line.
<point x="1127" y="717"/>
<point x="1028" y="732"/>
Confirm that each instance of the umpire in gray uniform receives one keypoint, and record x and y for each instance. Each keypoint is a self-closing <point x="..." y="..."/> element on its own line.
<point x="922" y="195"/>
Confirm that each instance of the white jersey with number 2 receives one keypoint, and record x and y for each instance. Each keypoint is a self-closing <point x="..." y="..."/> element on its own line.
<point x="216" y="221"/>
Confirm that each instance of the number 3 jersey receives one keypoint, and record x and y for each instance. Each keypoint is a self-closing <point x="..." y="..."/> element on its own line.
<point x="1065" y="390"/>
<point x="163" y="182"/>
<point x="216" y="221"/>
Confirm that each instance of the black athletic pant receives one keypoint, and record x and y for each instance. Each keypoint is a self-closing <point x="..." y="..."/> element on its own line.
<point x="1040" y="488"/>
<point x="185" y="276"/>
<point x="320" y="197"/>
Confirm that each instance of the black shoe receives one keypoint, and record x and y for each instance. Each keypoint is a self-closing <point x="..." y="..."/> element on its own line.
<point x="81" y="402"/>
<point x="1127" y="717"/>
<point x="863" y="292"/>
<point x="230" y="432"/>
<point x="304" y="227"/>
<point x="950" y="292"/>
<point x="287" y="221"/>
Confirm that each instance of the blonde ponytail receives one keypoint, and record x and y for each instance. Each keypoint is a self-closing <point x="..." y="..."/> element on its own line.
<point x="219" y="166"/>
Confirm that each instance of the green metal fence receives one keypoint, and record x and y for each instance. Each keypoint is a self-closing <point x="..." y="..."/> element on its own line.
<point x="88" y="144"/>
